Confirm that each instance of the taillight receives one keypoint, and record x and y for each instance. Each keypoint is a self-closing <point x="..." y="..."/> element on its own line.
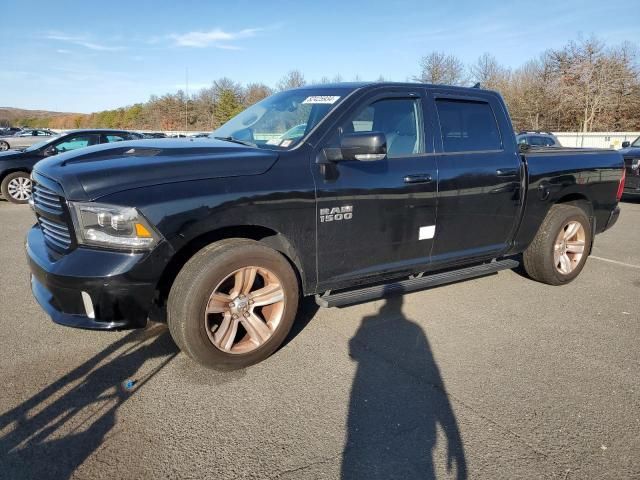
<point x="621" y="185"/>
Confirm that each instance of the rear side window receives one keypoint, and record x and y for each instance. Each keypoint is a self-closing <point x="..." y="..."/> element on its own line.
<point x="468" y="126"/>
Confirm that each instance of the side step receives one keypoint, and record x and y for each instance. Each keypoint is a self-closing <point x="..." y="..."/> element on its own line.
<point x="412" y="284"/>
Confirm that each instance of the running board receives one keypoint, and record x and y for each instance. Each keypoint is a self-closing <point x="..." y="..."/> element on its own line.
<point x="412" y="284"/>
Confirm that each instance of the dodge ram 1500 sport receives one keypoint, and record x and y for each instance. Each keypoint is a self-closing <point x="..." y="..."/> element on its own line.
<point x="348" y="192"/>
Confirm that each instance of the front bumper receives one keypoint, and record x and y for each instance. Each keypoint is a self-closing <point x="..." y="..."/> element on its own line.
<point x="121" y="286"/>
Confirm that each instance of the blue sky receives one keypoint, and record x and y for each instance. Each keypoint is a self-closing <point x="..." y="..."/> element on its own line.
<point x="89" y="56"/>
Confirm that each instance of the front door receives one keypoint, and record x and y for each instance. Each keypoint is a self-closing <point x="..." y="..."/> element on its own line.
<point x="377" y="217"/>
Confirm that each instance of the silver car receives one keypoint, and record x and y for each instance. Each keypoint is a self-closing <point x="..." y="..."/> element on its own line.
<point x="25" y="139"/>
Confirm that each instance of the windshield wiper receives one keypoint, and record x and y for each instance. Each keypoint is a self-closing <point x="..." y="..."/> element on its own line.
<point x="236" y="140"/>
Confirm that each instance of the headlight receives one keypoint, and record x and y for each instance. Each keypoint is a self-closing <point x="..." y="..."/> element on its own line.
<point x="112" y="226"/>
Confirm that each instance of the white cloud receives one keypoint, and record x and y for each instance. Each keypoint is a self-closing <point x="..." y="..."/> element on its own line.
<point x="82" y="41"/>
<point x="217" y="38"/>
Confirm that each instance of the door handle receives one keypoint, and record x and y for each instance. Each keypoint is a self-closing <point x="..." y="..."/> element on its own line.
<point x="507" y="172"/>
<point x="418" y="178"/>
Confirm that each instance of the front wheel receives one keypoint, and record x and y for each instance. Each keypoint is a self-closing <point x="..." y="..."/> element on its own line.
<point x="3" y="146"/>
<point x="233" y="304"/>
<point x="16" y="187"/>
<point x="560" y="248"/>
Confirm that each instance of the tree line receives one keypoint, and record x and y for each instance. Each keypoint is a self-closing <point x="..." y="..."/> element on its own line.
<point x="583" y="86"/>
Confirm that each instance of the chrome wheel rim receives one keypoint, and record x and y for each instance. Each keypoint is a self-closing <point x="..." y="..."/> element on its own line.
<point x="569" y="247"/>
<point x="4" y="146"/>
<point x="244" y="310"/>
<point x="20" y="188"/>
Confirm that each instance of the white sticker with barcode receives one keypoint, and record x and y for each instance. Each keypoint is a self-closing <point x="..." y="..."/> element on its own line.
<point x="326" y="99"/>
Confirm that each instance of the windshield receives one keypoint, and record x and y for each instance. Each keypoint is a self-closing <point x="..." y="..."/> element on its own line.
<point x="636" y="142"/>
<point x="281" y="120"/>
<point x="38" y="145"/>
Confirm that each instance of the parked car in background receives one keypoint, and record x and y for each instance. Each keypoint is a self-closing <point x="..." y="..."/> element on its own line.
<point x="7" y="131"/>
<point x="154" y="135"/>
<point x="199" y="135"/>
<point x="393" y="188"/>
<point x="631" y="153"/>
<point x="25" y="138"/>
<point x="538" y="139"/>
<point x="16" y="166"/>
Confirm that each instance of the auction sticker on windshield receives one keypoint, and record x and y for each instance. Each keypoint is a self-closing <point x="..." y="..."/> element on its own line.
<point x="326" y="99"/>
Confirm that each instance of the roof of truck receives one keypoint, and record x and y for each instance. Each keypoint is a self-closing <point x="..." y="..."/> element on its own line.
<point x="351" y="86"/>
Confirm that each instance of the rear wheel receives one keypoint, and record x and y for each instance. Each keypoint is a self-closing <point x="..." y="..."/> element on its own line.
<point x="3" y="146"/>
<point x="16" y="187"/>
<point x="560" y="248"/>
<point x="233" y="304"/>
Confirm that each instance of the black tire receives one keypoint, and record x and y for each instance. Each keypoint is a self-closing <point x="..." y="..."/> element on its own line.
<point x="196" y="281"/>
<point x="4" y="187"/>
<point x="3" y="146"/>
<point x="539" y="256"/>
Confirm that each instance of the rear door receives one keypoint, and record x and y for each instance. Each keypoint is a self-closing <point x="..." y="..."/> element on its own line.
<point x="376" y="217"/>
<point x="479" y="177"/>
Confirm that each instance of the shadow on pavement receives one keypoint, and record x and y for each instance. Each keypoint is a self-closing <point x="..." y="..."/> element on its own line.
<point x="398" y="400"/>
<point x="53" y="432"/>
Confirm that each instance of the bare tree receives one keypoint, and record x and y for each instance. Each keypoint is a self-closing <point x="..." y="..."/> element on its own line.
<point x="293" y="79"/>
<point x="254" y="92"/>
<point x="489" y="73"/>
<point x="439" y="68"/>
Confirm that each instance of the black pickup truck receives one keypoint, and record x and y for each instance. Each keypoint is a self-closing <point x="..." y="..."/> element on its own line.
<point x="382" y="188"/>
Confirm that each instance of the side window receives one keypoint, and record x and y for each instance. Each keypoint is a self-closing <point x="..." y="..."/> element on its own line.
<point x="537" y="141"/>
<point x="115" y="138"/>
<point x="468" y="126"/>
<point x="78" y="141"/>
<point x="399" y="119"/>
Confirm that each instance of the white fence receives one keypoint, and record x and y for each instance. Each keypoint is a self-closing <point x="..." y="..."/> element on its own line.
<point x="596" y="139"/>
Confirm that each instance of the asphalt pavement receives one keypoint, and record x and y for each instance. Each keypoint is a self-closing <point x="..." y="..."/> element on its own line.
<point x="498" y="377"/>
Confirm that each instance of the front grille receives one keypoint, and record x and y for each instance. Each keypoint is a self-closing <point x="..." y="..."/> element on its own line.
<point x="56" y="234"/>
<point x="46" y="199"/>
<point x="53" y="217"/>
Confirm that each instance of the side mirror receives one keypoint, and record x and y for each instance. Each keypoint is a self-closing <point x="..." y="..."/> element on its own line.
<point x="626" y="144"/>
<point x="49" y="151"/>
<point x="364" y="146"/>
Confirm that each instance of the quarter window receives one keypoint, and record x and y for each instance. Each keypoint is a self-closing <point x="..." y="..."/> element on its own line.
<point x="468" y="126"/>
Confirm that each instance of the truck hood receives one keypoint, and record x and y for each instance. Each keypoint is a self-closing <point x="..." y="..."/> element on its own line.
<point x="90" y="173"/>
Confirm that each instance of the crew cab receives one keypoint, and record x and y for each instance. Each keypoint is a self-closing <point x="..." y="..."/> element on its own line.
<point x="389" y="188"/>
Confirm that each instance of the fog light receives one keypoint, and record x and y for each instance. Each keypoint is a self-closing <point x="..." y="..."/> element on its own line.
<point x="88" y="305"/>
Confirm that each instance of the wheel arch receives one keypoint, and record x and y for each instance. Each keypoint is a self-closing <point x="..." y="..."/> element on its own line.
<point x="579" y="200"/>
<point x="262" y="234"/>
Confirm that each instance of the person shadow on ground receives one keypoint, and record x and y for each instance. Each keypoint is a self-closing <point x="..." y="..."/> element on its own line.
<point x="49" y="435"/>
<point x="398" y="401"/>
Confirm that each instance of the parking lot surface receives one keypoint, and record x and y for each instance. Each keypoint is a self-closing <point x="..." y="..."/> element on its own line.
<point x="499" y="377"/>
